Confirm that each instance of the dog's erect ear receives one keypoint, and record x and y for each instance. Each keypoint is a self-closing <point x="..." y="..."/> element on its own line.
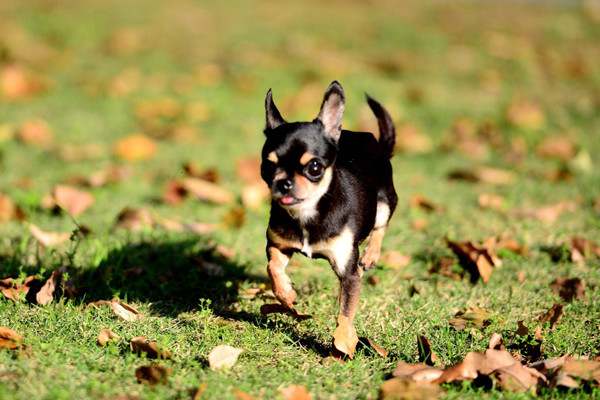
<point x="332" y="110"/>
<point x="274" y="118"/>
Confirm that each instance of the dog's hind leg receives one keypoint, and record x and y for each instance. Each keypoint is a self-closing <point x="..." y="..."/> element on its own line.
<point x="373" y="249"/>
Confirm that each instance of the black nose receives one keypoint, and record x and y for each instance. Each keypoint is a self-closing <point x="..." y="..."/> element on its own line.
<point x="284" y="185"/>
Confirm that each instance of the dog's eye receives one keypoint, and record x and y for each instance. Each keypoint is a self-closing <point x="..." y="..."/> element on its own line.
<point x="314" y="169"/>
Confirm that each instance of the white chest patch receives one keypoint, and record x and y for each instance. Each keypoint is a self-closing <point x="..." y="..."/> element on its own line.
<point x="306" y="249"/>
<point x="338" y="249"/>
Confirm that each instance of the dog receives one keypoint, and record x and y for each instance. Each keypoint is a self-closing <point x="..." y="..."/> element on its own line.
<point x="330" y="190"/>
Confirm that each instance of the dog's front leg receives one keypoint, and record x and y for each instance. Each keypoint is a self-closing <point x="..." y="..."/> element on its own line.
<point x="280" y="281"/>
<point x="345" y="337"/>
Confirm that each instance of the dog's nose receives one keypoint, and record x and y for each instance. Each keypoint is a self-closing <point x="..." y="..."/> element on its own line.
<point x="284" y="185"/>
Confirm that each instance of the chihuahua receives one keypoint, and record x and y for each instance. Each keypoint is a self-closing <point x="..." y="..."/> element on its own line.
<point x="331" y="189"/>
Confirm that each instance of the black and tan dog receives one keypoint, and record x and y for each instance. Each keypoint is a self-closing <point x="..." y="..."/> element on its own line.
<point x="331" y="189"/>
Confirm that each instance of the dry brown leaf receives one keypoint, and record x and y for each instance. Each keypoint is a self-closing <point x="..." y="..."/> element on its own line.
<point x="419" y="201"/>
<point x="419" y="224"/>
<point x="518" y="378"/>
<point x="72" y="200"/>
<point x="344" y="337"/>
<point x="135" y="147"/>
<point x="124" y="311"/>
<point x="491" y="201"/>
<point x="46" y="293"/>
<point x="80" y="152"/>
<point x="142" y="345"/>
<point x="426" y="355"/>
<point x="36" y="133"/>
<point x="444" y="266"/>
<point x="255" y="195"/>
<point x="207" y="191"/>
<point x="569" y="288"/>
<point x="492" y="176"/>
<point x="199" y="391"/>
<point x="477" y="363"/>
<point x="553" y="315"/>
<point x="16" y="83"/>
<point x="295" y="392"/>
<point x="206" y="174"/>
<point x="405" y="389"/>
<point x="582" y="248"/>
<point x="417" y="372"/>
<point x="8" y="210"/>
<point x="235" y="217"/>
<point x="223" y="356"/>
<point x="410" y="139"/>
<point x="48" y="239"/>
<point x="560" y="147"/>
<point x="199" y="228"/>
<point x="248" y="170"/>
<point x="549" y="213"/>
<point x="377" y="348"/>
<point x="134" y="219"/>
<point x="394" y="259"/>
<point x="9" y="339"/>
<point x="152" y="374"/>
<point x="108" y="175"/>
<point x="472" y="316"/>
<point x="478" y="260"/>
<point x="241" y="395"/>
<point x="495" y="342"/>
<point x="174" y="193"/>
<point x="105" y="336"/>
<point x="525" y="114"/>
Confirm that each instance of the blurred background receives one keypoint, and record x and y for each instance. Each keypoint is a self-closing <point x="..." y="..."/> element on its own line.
<point x="85" y="84"/>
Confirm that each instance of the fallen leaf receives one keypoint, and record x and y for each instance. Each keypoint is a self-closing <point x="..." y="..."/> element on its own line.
<point x="419" y="224"/>
<point x="553" y="315"/>
<point x="582" y="248"/>
<point x="199" y="391"/>
<point x="295" y="392"/>
<point x="560" y="147"/>
<point x="152" y="374"/>
<point x="36" y="133"/>
<point x="135" y="147"/>
<point x="426" y="355"/>
<point x="199" y="228"/>
<point x="410" y="139"/>
<point x="8" y="210"/>
<point x="207" y="191"/>
<point x="105" y="336"/>
<point x="48" y="239"/>
<point x="46" y="293"/>
<point x="16" y="83"/>
<point x="241" y="395"/>
<point x="445" y="266"/>
<point x="525" y="114"/>
<point x="124" y="311"/>
<point x="492" y="176"/>
<point x="373" y="280"/>
<point x="194" y="171"/>
<point x="344" y="337"/>
<point x="518" y="378"/>
<point x="80" y="152"/>
<point x="478" y="260"/>
<point x="549" y="213"/>
<point x="377" y="348"/>
<point x="417" y="372"/>
<point x="419" y="201"/>
<point x="142" y="345"/>
<point x="495" y="342"/>
<point x="248" y="170"/>
<point x="174" y="193"/>
<point x="472" y="316"/>
<point x="9" y="339"/>
<point x="134" y="219"/>
<point x="255" y="195"/>
<point x="394" y="259"/>
<point x="491" y="201"/>
<point x="72" y="200"/>
<point x="109" y="175"/>
<point x="223" y="356"/>
<point x="235" y="217"/>
<point x="405" y="389"/>
<point x="569" y="288"/>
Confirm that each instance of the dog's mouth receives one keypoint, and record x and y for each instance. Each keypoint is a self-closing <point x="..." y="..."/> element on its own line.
<point x="289" y="200"/>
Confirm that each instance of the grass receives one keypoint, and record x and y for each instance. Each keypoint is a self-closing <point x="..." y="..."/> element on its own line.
<point x="430" y="63"/>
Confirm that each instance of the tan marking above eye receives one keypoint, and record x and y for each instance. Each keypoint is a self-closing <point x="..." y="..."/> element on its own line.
<point x="272" y="156"/>
<point x="306" y="157"/>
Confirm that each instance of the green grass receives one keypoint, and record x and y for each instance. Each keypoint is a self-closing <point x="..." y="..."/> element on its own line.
<point x="461" y="59"/>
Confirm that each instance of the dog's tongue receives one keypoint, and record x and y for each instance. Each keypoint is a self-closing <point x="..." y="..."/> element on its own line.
<point x="287" y="200"/>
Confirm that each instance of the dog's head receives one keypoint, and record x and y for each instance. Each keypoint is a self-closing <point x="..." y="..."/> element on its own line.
<point x="298" y="157"/>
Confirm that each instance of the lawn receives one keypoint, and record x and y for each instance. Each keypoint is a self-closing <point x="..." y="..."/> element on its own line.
<point x="497" y="111"/>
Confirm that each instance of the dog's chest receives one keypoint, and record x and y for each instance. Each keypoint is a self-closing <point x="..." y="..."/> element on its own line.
<point x="337" y="249"/>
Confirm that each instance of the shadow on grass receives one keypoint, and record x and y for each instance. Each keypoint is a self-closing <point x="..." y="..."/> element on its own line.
<point x="173" y="276"/>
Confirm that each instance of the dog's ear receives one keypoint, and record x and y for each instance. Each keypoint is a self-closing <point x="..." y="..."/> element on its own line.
<point x="273" y="117"/>
<point x="332" y="110"/>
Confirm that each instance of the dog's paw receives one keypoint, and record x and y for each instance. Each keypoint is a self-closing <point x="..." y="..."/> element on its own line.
<point x="369" y="259"/>
<point x="286" y="297"/>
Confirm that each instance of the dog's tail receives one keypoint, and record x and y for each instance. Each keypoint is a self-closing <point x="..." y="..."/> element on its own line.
<point x="387" y="132"/>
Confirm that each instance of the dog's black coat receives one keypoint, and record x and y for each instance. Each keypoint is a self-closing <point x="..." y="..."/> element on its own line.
<point x="362" y="177"/>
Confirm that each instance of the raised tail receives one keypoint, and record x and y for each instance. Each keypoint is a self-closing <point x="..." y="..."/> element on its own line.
<point x="387" y="132"/>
